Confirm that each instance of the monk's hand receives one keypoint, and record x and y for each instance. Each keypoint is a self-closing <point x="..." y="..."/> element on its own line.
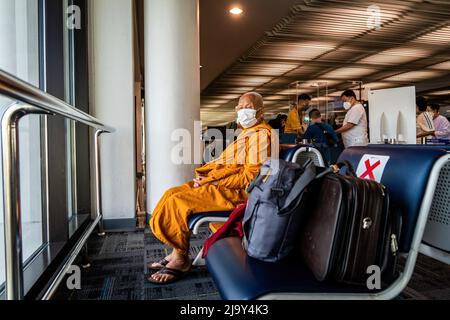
<point x="198" y="181"/>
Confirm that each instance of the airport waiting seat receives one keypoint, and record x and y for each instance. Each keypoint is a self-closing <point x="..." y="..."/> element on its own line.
<point x="436" y="238"/>
<point x="288" y="138"/>
<point x="411" y="178"/>
<point x="302" y="153"/>
<point x="299" y="154"/>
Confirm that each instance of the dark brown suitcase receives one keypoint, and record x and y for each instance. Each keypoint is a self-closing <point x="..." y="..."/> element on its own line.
<point x="350" y="228"/>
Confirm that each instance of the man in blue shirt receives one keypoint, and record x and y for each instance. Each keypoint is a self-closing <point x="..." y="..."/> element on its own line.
<point x="322" y="134"/>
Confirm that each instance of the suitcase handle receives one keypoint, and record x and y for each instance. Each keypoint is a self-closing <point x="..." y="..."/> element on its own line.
<point x="336" y="168"/>
<point x="350" y="170"/>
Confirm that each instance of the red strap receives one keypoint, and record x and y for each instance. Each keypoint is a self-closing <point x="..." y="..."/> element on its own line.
<point x="231" y="228"/>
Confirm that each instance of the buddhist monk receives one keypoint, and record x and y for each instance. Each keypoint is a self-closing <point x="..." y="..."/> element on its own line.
<point x="219" y="185"/>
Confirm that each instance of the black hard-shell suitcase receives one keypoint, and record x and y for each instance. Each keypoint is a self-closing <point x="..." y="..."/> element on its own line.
<point x="350" y="228"/>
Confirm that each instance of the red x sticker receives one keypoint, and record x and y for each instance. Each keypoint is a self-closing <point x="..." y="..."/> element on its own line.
<point x="372" y="167"/>
<point x="369" y="170"/>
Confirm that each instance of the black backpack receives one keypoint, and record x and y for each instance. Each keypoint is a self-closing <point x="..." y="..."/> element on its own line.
<point x="274" y="211"/>
<point x="328" y="137"/>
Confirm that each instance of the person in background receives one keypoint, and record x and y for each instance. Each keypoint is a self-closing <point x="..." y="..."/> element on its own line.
<point x="322" y="134"/>
<point x="354" y="128"/>
<point x="332" y="121"/>
<point x="294" y="122"/>
<point x="279" y="122"/>
<point x="441" y="124"/>
<point x="424" y="122"/>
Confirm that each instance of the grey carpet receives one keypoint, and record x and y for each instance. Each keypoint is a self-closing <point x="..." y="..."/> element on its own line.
<point x="119" y="272"/>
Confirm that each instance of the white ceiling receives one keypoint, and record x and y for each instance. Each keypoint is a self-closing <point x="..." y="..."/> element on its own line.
<point x="225" y="37"/>
<point x="321" y="45"/>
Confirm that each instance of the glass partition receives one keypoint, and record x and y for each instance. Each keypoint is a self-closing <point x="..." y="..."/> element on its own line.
<point x="19" y="55"/>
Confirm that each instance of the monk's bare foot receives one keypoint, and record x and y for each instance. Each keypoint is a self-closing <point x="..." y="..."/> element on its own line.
<point x="161" y="264"/>
<point x="179" y="265"/>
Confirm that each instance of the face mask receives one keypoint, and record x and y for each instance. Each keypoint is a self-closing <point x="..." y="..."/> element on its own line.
<point x="247" y="118"/>
<point x="347" y="105"/>
<point x="304" y="107"/>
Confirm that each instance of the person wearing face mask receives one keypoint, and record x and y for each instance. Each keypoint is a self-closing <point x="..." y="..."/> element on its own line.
<point x="294" y="123"/>
<point x="220" y="185"/>
<point x="441" y="124"/>
<point x="279" y="122"/>
<point x="424" y="121"/>
<point x="354" y="128"/>
<point x="322" y="135"/>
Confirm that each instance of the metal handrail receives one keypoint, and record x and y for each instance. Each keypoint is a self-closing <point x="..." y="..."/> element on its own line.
<point x="34" y="101"/>
<point x="16" y="89"/>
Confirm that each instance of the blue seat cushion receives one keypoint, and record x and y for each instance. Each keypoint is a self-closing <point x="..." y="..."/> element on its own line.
<point x="240" y="277"/>
<point x="194" y="218"/>
<point x="288" y="138"/>
<point x="406" y="178"/>
<point x="288" y="154"/>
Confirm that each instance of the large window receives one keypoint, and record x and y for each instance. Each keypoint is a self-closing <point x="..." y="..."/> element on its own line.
<point x="69" y="97"/>
<point x="19" y="55"/>
<point x="38" y="46"/>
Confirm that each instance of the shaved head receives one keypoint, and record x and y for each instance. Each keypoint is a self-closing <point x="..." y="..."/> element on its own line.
<point x="254" y="98"/>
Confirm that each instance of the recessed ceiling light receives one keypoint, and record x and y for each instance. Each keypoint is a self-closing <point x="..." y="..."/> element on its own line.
<point x="236" y="11"/>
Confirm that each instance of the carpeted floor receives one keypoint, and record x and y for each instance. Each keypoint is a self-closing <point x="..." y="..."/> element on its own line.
<point x="119" y="272"/>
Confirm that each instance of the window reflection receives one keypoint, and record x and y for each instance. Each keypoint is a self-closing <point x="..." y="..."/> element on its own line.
<point x="19" y="55"/>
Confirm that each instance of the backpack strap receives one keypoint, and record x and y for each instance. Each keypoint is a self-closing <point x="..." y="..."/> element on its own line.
<point x="265" y="170"/>
<point x="308" y="176"/>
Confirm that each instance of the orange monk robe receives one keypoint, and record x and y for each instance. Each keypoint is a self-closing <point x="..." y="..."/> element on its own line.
<point x="233" y="171"/>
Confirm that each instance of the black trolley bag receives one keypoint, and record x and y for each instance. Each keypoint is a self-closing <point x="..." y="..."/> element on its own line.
<point x="350" y="228"/>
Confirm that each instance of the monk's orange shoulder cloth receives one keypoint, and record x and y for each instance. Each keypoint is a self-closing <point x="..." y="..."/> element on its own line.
<point x="241" y="161"/>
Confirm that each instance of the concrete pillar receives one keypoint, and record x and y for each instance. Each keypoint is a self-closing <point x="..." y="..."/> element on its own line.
<point x="172" y="78"/>
<point x="112" y="101"/>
